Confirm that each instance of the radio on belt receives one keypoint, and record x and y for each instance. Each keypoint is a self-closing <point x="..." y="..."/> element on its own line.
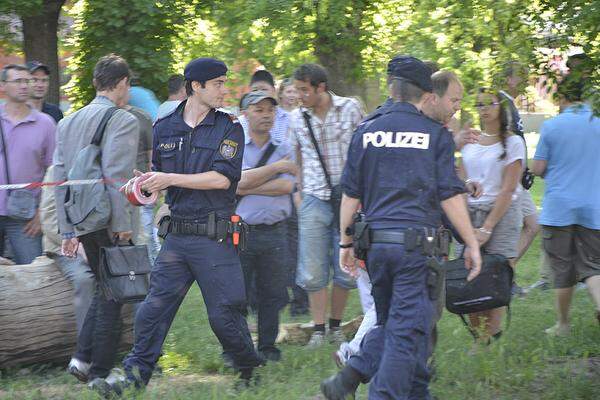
<point x="134" y="193"/>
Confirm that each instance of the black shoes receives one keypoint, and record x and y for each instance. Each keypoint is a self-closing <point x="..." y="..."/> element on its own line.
<point x="341" y="386"/>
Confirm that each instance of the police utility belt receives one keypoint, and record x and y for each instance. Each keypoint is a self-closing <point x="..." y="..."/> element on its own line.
<point x="218" y="229"/>
<point x="433" y="243"/>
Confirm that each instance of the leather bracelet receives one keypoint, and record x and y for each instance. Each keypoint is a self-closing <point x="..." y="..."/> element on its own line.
<point x="345" y="246"/>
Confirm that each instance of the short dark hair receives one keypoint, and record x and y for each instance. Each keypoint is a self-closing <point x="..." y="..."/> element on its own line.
<point x="175" y="83"/>
<point x="313" y="73"/>
<point x="188" y="86"/>
<point x="14" y="67"/>
<point x="262" y="75"/>
<point x="109" y="71"/>
<point x="571" y="88"/>
<point x="405" y="90"/>
<point x="441" y="81"/>
<point x="433" y="66"/>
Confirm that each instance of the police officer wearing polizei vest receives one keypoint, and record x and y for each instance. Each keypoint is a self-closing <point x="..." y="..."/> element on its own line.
<point x="401" y="169"/>
<point x="197" y="157"/>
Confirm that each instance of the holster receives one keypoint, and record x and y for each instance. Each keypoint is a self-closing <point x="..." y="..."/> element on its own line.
<point x="163" y="226"/>
<point x="435" y="278"/>
<point x="361" y="240"/>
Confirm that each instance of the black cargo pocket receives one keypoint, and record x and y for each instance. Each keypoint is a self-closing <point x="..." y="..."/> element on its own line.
<point x="228" y="279"/>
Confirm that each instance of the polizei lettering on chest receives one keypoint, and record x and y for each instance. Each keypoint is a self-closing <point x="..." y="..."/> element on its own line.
<point x="408" y="140"/>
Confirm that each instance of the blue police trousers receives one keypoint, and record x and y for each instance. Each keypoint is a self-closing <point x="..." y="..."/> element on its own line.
<point x="216" y="268"/>
<point x="394" y="353"/>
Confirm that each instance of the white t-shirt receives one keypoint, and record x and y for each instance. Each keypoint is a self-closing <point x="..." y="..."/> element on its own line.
<point x="482" y="164"/>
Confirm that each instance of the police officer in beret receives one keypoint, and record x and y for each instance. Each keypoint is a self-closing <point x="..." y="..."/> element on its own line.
<point x="401" y="170"/>
<point x="197" y="158"/>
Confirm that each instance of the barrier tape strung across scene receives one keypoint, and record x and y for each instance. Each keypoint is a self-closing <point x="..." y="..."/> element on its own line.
<point x="36" y="185"/>
<point x="132" y="189"/>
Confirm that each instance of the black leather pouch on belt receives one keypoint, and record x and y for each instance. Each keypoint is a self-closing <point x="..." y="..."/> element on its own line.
<point x="361" y="240"/>
<point x="163" y="226"/>
<point x="211" y="225"/>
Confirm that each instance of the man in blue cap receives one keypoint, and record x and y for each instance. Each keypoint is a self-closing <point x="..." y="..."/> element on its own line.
<point x="402" y="212"/>
<point x="197" y="158"/>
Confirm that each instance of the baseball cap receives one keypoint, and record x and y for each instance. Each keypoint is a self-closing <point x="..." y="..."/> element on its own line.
<point x="255" y="97"/>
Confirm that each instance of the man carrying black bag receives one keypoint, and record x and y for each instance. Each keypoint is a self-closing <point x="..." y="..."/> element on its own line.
<point x="96" y="141"/>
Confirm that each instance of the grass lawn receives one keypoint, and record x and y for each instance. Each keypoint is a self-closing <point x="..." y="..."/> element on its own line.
<point x="524" y="364"/>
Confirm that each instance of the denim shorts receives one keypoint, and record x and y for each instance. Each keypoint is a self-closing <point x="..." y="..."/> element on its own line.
<point x="318" y="253"/>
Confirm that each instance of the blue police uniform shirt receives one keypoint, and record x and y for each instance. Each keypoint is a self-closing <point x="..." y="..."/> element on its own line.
<point x="216" y="144"/>
<point x="401" y="166"/>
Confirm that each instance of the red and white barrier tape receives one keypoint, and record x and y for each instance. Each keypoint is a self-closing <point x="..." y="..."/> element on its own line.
<point x="132" y="189"/>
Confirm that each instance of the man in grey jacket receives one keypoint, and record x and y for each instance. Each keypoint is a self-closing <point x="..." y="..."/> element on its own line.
<point x="99" y="337"/>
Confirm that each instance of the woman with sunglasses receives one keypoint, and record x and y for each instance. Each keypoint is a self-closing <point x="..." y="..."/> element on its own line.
<point x="492" y="170"/>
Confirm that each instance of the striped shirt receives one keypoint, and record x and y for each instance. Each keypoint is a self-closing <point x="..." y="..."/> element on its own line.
<point x="333" y="137"/>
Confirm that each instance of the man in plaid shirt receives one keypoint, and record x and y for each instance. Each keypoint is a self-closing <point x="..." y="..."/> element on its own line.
<point x="333" y="120"/>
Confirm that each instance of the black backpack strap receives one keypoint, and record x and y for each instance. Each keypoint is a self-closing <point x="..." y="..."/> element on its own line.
<point x="314" y="142"/>
<point x="97" y="138"/>
<point x="266" y="155"/>
<point x="4" y="153"/>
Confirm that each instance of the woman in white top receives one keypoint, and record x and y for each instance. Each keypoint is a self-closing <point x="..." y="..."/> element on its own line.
<point x="492" y="170"/>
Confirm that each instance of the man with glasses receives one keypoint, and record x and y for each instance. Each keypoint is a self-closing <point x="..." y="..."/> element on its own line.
<point x="27" y="143"/>
<point x="38" y="89"/>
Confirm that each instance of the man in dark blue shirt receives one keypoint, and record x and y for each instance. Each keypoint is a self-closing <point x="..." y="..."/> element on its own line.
<point x="401" y="169"/>
<point x="40" y="82"/>
<point x="197" y="158"/>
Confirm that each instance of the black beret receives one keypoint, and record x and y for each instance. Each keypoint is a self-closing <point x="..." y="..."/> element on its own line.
<point x="411" y="69"/>
<point x="204" y="69"/>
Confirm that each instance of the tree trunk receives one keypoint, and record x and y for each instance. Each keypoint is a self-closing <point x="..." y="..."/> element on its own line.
<point x="37" y="320"/>
<point x="40" y="42"/>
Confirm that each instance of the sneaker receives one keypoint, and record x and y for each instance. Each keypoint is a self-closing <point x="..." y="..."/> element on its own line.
<point x="79" y="369"/>
<point x="558" y="331"/>
<point x="517" y="290"/>
<point x="336" y="335"/>
<point x="271" y="355"/>
<point x="100" y="386"/>
<point x="341" y="386"/>
<point x="317" y="339"/>
<point x="541" y="285"/>
<point x="342" y="355"/>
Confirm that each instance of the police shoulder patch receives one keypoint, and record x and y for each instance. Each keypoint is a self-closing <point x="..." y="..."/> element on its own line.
<point x="228" y="148"/>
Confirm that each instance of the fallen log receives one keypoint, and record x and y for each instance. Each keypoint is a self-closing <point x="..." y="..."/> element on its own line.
<point x="297" y="333"/>
<point x="37" y="319"/>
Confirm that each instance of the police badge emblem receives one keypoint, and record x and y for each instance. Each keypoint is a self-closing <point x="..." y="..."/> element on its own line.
<point x="228" y="148"/>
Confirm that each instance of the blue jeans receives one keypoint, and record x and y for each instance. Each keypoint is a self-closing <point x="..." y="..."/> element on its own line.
<point x="25" y="248"/>
<point x="318" y="253"/>
<point x="149" y="231"/>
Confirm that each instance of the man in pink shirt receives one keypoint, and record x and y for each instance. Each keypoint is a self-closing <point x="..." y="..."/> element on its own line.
<point x="27" y="146"/>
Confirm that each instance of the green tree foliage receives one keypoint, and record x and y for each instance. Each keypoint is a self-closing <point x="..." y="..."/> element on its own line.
<point x="281" y="34"/>
<point x="142" y="31"/>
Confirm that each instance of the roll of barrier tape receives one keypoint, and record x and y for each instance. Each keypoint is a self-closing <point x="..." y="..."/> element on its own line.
<point x="135" y="194"/>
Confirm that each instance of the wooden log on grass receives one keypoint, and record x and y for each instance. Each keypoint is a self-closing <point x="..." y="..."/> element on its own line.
<point x="37" y="319"/>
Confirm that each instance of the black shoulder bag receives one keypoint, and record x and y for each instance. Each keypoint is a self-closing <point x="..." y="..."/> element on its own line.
<point x="490" y="289"/>
<point x="21" y="204"/>
<point x="261" y="163"/>
<point x="125" y="272"/>
<point x="336" y="191"/>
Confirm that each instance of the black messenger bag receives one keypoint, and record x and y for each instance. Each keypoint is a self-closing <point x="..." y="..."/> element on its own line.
<point x="124" y="273"/>
<point x="490" y="289"/>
